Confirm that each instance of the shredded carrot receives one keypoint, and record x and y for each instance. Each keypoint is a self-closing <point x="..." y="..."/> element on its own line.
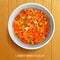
<point x="32" y="26"/>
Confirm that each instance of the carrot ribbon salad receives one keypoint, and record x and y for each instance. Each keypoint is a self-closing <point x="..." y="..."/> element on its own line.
<point x="31" y="26"/>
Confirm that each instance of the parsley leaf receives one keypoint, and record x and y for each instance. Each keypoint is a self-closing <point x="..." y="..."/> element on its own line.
<point x="24" y="21"/>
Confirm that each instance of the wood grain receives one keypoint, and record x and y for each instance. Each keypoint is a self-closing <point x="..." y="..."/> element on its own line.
<point x="10" y="51"/>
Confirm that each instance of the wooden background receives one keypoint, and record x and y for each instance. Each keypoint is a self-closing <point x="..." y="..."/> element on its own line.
<point x="10" y="51"/>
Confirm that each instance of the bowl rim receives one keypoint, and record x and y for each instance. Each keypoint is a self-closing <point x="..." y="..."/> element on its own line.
<point x="51" y="34"/>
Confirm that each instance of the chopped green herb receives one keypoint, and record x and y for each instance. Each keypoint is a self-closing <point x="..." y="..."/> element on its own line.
<point x="47" y="18"/>
<point x="24" y="21"/>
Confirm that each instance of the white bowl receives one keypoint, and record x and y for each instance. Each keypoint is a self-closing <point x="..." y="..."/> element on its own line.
<point x="15" y="38"/>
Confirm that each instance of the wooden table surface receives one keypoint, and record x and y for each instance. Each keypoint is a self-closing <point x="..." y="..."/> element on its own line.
<point x="10" y="51"/>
